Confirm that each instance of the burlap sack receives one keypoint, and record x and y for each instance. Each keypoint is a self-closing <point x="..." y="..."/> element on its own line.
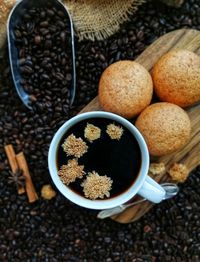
<point x="93" y="19"/>
<point x="5" y="7"/>
<point x="98" y="19"/>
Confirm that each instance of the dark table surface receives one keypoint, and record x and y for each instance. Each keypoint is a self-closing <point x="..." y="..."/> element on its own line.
<point x="57" y="230"/>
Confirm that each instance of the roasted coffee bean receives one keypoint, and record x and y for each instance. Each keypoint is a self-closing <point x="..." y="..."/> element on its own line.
<point x="44" y="24"/>
<point x="44" y="31"/>
<point x="68" y="77"/>
<point x="37" y="39"/>
<point x="50" y="12"/>
<point x="63" y="36"/>
<point x="52" y="28"/>
<point x="18" y="34"/>
<point x="48" y="44"/>
<point x="61" y="14"/>
<point x="42" y="14"/>
<point x="27" y="70"/>
<point x="27" y="16"/>
<point x="21" y="61"/>
<point x="61" y="24"/>
<point x="59" y="76"/>
<point x="32" y="12"/>
<point x="45" y="77"/>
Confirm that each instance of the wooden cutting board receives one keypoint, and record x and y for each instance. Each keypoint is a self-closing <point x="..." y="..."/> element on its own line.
<point x="190" y="154"/>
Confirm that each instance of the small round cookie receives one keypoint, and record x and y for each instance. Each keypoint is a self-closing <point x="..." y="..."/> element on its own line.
<point x="176" y="78"/>
<point x="165" y="127"/>
<point x="125" y="88"/>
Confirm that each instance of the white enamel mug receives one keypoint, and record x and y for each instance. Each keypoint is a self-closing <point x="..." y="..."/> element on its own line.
<point x="144" y="185"/>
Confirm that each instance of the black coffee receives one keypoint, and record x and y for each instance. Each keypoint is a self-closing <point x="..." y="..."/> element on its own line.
<point x="118" y="159"/>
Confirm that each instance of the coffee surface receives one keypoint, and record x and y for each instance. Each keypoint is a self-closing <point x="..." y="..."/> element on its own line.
<point x="118" y="159"/>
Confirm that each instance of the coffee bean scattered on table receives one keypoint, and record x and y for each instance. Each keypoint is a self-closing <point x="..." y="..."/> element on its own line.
<point x="43" y="40"/>
<point x="57" y="230"/>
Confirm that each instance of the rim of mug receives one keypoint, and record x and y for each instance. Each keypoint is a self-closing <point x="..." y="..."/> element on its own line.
<point x="104" y="203"/>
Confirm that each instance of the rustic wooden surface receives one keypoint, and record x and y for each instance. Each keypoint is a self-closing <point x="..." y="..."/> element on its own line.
<point x="189" y="155"/>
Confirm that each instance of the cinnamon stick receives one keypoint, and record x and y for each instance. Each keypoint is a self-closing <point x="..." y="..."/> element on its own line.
<point x="30" y="189"/>
<point x="13" y="164"/>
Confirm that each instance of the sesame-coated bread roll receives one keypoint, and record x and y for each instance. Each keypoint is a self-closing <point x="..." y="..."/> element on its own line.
<point x="125" y="88"/>
<point x="176" y="78"/>
<point x="165" y="128"/>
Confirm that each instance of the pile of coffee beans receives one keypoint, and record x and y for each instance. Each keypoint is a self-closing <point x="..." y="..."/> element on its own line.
<point x="43" y="40"/>
<point x="57" y="230"/>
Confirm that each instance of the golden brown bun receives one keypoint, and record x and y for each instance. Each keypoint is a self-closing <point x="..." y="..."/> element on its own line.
<point x="165" y="127"/>
<point x="176" y="78"/>
<point x="5" y="8"/>
<point x="125" y="88"/>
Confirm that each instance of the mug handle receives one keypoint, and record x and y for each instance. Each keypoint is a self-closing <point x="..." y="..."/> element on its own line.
<point x="152" y="191"/>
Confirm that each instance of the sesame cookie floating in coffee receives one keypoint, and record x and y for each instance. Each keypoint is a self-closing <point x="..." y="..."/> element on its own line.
<point x="92" y="132"/>
<point x="166" y="128"/>
<point x="176" y="78"/>
<point x="125" y="88"/>
<point x="70" y="172"/>
<point x="74" y="146"/>
<point x="96" y="186"/>
<point x="114" y="132"/>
